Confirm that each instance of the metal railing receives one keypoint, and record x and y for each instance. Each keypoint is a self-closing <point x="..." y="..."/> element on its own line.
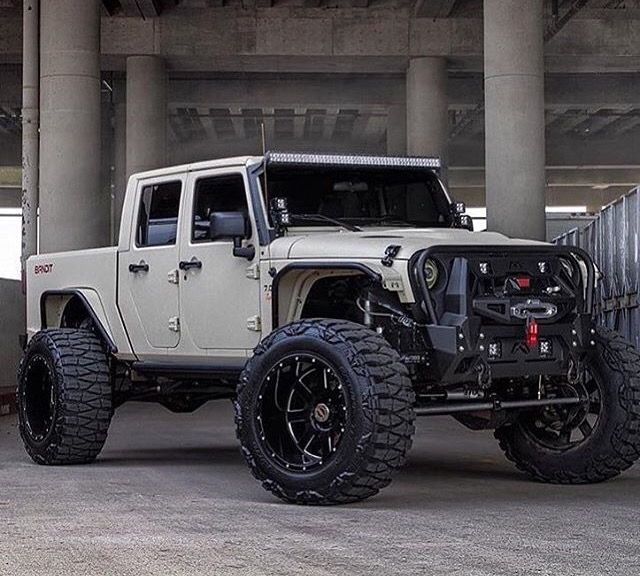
<point x="613" y="241"/>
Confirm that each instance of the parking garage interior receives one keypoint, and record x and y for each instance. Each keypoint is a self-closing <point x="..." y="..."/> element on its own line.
<point x="533" y="106"/>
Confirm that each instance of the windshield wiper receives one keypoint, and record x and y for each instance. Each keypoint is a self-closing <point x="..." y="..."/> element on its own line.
<point x="323" y="218"/>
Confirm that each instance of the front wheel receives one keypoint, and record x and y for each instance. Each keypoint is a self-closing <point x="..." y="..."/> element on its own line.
<point x="590" y="442"/>
<point x="324" y="412"/>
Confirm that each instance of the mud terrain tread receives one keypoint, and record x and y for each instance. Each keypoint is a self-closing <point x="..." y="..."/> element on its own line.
<point x="388" y="405"/>
<point x="84" y="396"/>
<point x="624" y="442"/>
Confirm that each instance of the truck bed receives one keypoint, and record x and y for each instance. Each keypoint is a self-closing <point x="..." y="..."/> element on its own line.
<point x="93" y="273"/>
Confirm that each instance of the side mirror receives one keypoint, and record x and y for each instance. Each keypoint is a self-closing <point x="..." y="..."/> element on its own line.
<point x="228" y="225"/>
<point x="232" y="226"/>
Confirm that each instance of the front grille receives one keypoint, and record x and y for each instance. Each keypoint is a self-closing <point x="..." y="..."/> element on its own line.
<point x="505" y="285"/>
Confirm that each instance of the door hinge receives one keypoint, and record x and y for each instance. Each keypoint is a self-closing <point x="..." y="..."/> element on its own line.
<point x="253" y="271"/>
<point x="254" y="323"/>
<point x="173" y="277"/>
<point x="174" y="324"/>
<point x="393" y="284"/>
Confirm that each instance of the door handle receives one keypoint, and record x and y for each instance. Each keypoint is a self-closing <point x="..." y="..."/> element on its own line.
<point x="141" y="267"/>
<point x="187" y="265"/>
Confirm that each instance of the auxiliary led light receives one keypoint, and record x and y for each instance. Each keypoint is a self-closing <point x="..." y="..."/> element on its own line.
<point x="545" y="348"/>
<point x="349" y="160"/>
<point x="495" y="350"/>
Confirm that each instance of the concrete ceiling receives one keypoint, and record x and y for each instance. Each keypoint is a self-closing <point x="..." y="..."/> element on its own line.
<point x="142" y="8"/>
<point x="322" y="74"/>
<point x="556" y="10"/>
<point x="434" y="9"/>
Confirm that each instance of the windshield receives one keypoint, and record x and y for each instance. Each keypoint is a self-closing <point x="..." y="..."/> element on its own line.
<point x="360" y="196"/>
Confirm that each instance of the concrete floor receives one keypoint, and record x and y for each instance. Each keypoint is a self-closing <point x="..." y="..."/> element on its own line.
<point x="171" y="495"/>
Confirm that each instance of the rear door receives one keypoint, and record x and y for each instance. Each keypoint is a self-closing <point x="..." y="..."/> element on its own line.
<point x="148" y="280"/>
<point x="220" y="296"/>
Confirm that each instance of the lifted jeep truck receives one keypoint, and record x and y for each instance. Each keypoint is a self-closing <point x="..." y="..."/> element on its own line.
<point x="333" y="298"/>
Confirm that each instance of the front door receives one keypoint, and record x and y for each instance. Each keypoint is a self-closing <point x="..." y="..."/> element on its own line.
<point x="148" y="281"/>
<point x="219" y="293"/>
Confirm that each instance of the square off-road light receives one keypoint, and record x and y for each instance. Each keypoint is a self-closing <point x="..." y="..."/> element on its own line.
<point x="495" y="350"/>
<point x="543" y="267"/>
<point x="279" y="203"/>
<point x="458" y="207"/>
<point x="280" y="212"/>
<point x="545" y="348"/>
<point x="485" y="268"/>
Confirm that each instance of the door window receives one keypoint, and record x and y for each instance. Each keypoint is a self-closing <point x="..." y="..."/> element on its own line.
<point x="216" y="194"/>
<point x="158" y="214"/>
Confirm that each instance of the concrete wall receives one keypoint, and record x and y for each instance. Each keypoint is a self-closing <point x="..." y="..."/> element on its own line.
<point x="12" y="320"/>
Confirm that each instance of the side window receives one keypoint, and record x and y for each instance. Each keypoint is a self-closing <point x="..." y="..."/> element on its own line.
<point x="158" y="214"/>
<point x="216" y="194"/>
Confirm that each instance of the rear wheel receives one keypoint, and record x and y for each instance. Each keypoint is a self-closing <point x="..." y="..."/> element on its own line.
<point x="324" y="412"/>
<point x="589" y="442"/>
<point x="64" y="396"/>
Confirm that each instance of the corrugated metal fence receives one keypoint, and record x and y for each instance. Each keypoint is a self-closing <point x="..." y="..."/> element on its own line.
<point x="613" y="242"/>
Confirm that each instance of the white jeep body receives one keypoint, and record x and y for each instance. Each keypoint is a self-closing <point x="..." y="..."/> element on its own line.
<point x="333" y="299"/>
<point x="216" y="315"/>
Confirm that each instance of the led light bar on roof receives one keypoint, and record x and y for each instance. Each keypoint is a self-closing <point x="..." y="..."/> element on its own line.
<point x="348" y="160"/>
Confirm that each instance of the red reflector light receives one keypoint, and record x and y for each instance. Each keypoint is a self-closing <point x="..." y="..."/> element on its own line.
<point x="533" y="333"/>
<point x="523" y="282"/>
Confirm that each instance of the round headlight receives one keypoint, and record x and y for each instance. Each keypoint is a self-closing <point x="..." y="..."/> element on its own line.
<point x="431" y="273"/>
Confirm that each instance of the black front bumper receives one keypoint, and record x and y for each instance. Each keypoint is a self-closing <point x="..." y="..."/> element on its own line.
<point x="464" y="343"/>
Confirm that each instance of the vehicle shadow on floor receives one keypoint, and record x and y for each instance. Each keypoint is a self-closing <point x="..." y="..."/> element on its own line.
<point x="173" y="455"/>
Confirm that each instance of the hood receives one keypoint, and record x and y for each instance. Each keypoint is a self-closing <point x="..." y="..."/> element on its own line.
<point x="372" y="243"/>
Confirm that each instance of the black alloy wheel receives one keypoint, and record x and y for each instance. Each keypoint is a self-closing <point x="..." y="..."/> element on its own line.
<point x="587" y="442"/>
<point x="38" y="398"/>
<point x="565" y="426"/>
<point x="302" y="412"/>
<point x="64" y="396"/>
<point x="324" y="412"/>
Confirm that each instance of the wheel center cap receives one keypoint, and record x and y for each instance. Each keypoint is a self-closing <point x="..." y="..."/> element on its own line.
<point x="321" y="413"/>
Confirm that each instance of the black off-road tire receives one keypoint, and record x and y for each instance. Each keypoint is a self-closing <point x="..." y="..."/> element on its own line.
<point x="380" y="422"/>
<point x="614" y="444"/>
<point x="80" y="407"/>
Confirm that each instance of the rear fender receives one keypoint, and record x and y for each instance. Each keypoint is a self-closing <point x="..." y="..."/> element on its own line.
<point x="53" y="304"/>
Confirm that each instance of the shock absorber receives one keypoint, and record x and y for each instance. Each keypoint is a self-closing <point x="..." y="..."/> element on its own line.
<point x="366" y="310"/>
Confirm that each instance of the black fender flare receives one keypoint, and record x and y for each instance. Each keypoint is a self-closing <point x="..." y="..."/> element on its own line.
<point x="75" y="293"/>
<point x="312" y="266"/>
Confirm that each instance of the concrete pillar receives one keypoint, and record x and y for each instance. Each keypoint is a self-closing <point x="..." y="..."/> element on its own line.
<point x="30" y="126"/>
<point x="119" y="181"/>
<point x="72" y="213"/>
<point x="427" y="108"/>
<point x="146" y="113"/>
<point x="514" y="117"/>
<point x="106" y="159"/>
<point x="397" y="131"/>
